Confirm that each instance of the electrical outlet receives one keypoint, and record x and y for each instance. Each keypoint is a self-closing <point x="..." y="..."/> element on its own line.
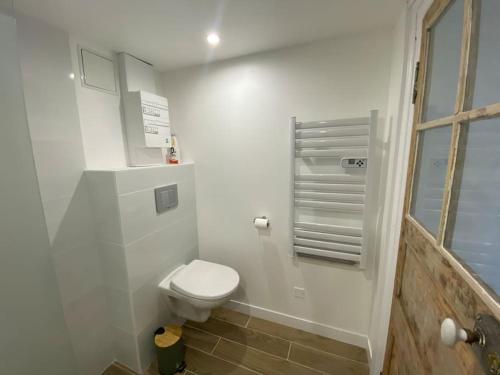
<point x="299" y="292"/>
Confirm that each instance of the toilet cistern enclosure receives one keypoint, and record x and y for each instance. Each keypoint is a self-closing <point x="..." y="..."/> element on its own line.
<point x="192" y="291"/>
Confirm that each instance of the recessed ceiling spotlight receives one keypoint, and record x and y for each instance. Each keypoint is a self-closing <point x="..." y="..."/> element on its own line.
<point x="213" y="39"/>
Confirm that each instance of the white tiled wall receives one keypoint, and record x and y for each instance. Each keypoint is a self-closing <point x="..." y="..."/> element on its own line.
<point x="139" y="247"/>
<point x="54" y="126"/>
<point x="33" y="337"/>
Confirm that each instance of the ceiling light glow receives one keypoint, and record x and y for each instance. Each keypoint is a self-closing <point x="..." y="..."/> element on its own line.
<point x="213" y="39"/>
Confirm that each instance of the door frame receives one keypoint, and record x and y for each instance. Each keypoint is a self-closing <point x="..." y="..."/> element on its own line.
<point x="399" y="153"/>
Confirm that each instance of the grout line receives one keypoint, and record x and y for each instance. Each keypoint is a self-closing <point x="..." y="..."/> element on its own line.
<point x="215" y="346"/>
<point x="271" y="355"/>
<point x="306" y="346"/>
<point x="239" y="365"/>
<point x="289" y="350"/>
<point x="248" y="321"/>
<point x="252" y="329"/>
<point x="225" y="338"/>
<point x="310" y="368"/>
<point x="337" y="356"/>
<point x="257" y="350"/>
<point x="280" y="338"/>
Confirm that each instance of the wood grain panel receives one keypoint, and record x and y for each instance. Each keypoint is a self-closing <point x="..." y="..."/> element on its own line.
<point x="259" y="361"/>
<point x="309" y="339"/>
<point x="231" y="316"/>
<point x="431" y="284"/>
<point x="325" y="362"/>
<point x="425" y="309"/>
<point x="466" y="303"/>
<point x="199" y="339"/>
<point x="254" y="339"/>
<point x="205" y="364"/>
<point x="404" y="357"/>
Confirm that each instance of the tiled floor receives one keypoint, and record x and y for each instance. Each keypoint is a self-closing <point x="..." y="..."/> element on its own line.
<point x="236" y="344"/>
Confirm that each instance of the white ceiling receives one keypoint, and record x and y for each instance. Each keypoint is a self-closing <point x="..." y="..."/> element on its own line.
<point x="171" y="33"/>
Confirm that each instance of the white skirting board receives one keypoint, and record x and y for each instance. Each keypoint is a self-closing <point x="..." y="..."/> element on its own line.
<point x="335" y="333"/>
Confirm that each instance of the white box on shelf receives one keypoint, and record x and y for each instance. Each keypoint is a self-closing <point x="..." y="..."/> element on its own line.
<point x="148" y="127"/>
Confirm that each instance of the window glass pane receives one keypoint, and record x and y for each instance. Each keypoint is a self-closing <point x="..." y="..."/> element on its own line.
<point x="444" y="63"/>
<point x="488" y="72"/>
<point x="474" y="223"/>
<point x="430" y="175"/>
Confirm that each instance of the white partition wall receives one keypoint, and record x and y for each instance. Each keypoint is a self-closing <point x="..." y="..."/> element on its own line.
<point x="332" y="184"/>
<point x="138" y="248"/>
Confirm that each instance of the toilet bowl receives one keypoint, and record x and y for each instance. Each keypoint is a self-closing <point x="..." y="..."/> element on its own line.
<point x="192" y="291"/>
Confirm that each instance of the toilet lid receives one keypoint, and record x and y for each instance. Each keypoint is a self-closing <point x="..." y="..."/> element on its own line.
<point x="205" y="280"/>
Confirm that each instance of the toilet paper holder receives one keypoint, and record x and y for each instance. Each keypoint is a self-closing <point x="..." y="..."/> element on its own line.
<point x="254" y="221"/>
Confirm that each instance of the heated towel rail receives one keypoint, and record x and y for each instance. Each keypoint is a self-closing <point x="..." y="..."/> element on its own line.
<point x="332" y="187"/>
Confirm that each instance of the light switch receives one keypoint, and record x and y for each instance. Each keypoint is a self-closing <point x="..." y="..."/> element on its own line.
<point x="166" y="198"/>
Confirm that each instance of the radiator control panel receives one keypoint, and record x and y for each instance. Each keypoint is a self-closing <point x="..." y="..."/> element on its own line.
<point x="353" y="162"/>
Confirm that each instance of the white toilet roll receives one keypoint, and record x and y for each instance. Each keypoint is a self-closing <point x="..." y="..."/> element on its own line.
<point x="261" y="223"/>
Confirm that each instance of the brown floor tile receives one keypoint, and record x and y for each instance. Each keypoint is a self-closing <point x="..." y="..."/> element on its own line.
<point x="231" y="316"/>
<point x="259" y="361"/>
<point x="328" y="363"/>
<point x="309" y="339"/>
<point x="118" y="369"/>
<point x="204" y="364"/>
<point x="249" y="337"/>
<point x="153" y="370"/>
<point x="199" y="339"/>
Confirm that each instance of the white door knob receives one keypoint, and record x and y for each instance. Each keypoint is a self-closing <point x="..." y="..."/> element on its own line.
<point x="451" y="333"/>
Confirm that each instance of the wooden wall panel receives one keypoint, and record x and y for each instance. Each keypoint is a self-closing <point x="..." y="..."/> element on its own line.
<point x="466" y="303"/>
<point x="404" y="358"/>
<point x="425" y="309"/>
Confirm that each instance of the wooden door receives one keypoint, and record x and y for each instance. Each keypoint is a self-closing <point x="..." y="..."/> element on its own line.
<point x="449" y="254"/>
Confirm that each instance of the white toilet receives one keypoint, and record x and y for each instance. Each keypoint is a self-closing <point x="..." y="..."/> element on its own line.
<point x="192" y="291"/>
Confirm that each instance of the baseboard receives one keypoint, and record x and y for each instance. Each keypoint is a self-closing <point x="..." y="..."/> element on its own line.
<point x="335" y="333"/>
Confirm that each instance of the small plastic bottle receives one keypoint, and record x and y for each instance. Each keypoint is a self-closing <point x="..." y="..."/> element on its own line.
<point x="173" y="152"/>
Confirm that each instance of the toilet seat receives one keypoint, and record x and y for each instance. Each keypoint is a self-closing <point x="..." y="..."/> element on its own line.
<point x="205" y="280"/>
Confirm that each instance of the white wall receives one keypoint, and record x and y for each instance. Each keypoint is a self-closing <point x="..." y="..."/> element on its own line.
<point x="100" y="117"/>
<point x="59" y="158"/>
<point x="232" y="119"/>
<point x="33" y="338"/>
<point x="399" y="114"/>
<point x="139" y="248"/>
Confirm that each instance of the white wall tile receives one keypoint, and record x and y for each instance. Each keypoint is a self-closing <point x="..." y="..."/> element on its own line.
<point x="78" y="271"/>
<point x="30" y="304"/>
<point x="154" y="246"/>
<point x="120" y="310"/>
<point x="90" y="331"/>
<point x="69" y="220"/>
<point x="138" y="211"/>
<point x="59" y="161"/>
<point x="148" y="304"/>
<point x="150" y="255"/>
<point x="113" y="265"/>
<point x="58" y="150"/>
<point x="140" y="178"/>
<point x="100" y="116"/>
<point x="104" y="204"/>
<point x="126" y="349"/>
